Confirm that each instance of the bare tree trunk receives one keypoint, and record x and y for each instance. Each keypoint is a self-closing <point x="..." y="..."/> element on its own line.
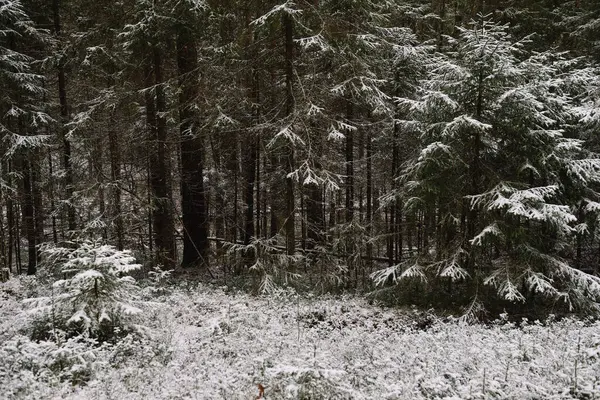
<point x="64" y="114"/>
<point x="257" y="186"/>
<point x="24" y="164"/>
<point x="290" y="217"/>
<point x="315" y="216"/>
<point x="193" y="198"/>
<point x="349" y="166"/>
<point x="17" y="240"/>
<point x="265" y="226"/>
<point x="163" y="224"/>
<point x="97" y="167"/>
<point x="52" y="204"/>
<point x="236" y="172"/>
<point x="3" y="248"/>
<point x="149" y="185"/>
<point x="249" y="165"/>
<point x="369" y="217"/>
<point x="315" y="206"/>
<point x="38" y="207"/>
<point x="115" y="176"/>
<point x="249" y="153"/>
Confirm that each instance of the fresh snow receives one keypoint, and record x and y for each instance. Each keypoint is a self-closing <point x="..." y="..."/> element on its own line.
<point x="205" y="343"/>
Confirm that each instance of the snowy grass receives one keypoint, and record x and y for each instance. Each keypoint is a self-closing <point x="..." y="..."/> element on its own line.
<point x="209" y="344"/>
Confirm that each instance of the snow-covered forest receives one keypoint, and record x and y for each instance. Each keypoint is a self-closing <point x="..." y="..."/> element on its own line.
<point x="308" y="199"/>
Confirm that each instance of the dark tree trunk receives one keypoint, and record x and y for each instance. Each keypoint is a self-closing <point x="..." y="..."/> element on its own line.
<point x="17" y="239"/>
<point x="52" y="204"/>
<point x="193" y="198"/>
<point x="249" y="166"/>
<point x="163" y="225"/>
<point x="369" y="217"/>
<point x="315" y="206"/>
<point x="97" y="173"/>
<point x="290" y="217"/>
<point x="315" y="216"/>
<point x="3" y="252"/>
<point x="258" y="230"/>
<point x="38" y="208"/>
<point x="64" y="114"/>
<point x="250" y="176"/>
<point x="349" y="166"/>
<point x="27" y="212"/>
<point x="115" y="176"/>
<point x="249" y="157"/>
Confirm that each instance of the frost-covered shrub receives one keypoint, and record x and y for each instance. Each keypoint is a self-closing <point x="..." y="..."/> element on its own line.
<point x="157" y="282"/>
<point x="266" y="260"/>
<point x="71" y="360"/>
<point x="95" y="297"/>
<point x="309" y="384"/>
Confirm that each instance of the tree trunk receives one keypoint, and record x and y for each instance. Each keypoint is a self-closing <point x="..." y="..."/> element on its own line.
<point x="193" y="199"/>
<point x="163" y="225"/>
<point x="38" y="208"/>
<point x="64" y="114"/>
<point x="24" y="163"/>
<point x="115" y="176"/>
<point x="349" y="166"/>
<point x="249" y="165"/>
<point x="290" y="217"/>
<point x="369" y="217"/>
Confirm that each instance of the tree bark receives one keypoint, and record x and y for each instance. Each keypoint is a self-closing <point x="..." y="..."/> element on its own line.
<point x="369" y="217"/>
<point x="64" y="114"/>
<point x="38" y="201"/>
<point x="193" y="198"/>
<point x="290" y="217"/>
<point x="115" y="176"/>
<point x="163" y="225"/>
<point x="349" y="166"/>
<point x="27" y="212"/>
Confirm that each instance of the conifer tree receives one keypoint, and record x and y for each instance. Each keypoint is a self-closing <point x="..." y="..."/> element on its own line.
<point x="496" y="159"/>
<point x="22" y="115"/>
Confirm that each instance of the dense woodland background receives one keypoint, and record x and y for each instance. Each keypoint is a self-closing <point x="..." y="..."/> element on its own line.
<point x="447" y="146"/>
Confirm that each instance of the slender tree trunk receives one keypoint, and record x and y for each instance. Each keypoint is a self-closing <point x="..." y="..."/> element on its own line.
<point x="3" y="248"/>
<point x="349" y="166"/>
<point x="17" y="240"/>
<point x="349" y="197"/>
<point x="265" y="227"/>
<point x="163" y="224"/>
<point x="115" y="176"/>
<point x="97" y="173"/>
<point x="64" y="114"/>
<point x="315" y="206"/>
<point x="249" y="152"/>
<point x="236" y="172"/>
<point x="315" y="216"/>
<point x="390" y="214"/>
<point x="150" y="202"/>
<point x="193" y="198"/>
<point x="52" y="204"/>
<point x="38" y="207"/>
<point x="24" y="164"/>
<point x="258" y="188"/>
<point x="369" y="217"/>
<point x="249" y="163"/>
<point x="361" y="159"/>
<point x="475" y="167"/>
<point x="290" y="217"/>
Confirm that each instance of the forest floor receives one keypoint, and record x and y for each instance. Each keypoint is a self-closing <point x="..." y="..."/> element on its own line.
<point x="206" y="343"/>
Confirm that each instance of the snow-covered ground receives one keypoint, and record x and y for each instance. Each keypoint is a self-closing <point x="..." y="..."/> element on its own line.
<point x="209" y="344"/>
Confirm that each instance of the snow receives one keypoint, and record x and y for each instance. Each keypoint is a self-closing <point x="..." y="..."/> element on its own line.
<point x="207" y="343"/>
